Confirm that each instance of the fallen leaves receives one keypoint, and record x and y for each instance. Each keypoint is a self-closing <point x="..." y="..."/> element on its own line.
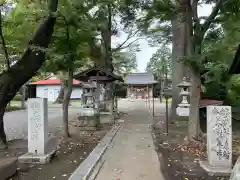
<point x="197" y="148"/>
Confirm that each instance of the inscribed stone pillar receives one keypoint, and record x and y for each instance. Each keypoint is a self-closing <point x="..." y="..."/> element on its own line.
<point x="37" y="125"/>
<point x="41" y="147"/>
<point x="219" y="139"/>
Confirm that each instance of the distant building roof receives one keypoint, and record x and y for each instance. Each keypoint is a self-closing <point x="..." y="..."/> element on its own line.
<point x="53" y="82"/>
<point x="140" y="78"/>
<point x="96" y="71"/>
<point x="235" y="67"/>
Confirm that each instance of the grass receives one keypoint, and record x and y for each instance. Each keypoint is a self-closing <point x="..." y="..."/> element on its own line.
<point x="73" y="102"/>
<point x="12" y="108"/>
<point x="15" y="102"/>
<point x="169" y="100"/>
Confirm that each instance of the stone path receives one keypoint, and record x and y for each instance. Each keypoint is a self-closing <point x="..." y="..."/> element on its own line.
<point x="132" y="156"/>
<point x="16" y="125"/>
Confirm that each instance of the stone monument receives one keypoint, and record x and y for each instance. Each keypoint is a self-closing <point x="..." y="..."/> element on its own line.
<point x="40" y="146"/>
<point x="219" y="140"/>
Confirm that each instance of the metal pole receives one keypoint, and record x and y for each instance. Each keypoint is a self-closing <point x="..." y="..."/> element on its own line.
<point x="166" y="121"/>
<point x="148" y="97"/>
<point x="153" y="102"/>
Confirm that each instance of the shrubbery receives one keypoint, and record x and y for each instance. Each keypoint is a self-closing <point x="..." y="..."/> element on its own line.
<point x="215" y="90"/>
<point x="234" y="91"/>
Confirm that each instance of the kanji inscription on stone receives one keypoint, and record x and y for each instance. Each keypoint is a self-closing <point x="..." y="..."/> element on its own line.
<point x="37" y="125"/>
<point x="219" y="136"/>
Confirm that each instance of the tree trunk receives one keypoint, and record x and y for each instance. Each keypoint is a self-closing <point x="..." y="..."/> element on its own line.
<point x="106" y="34"/>
<point x="33" y="58"/>
<point x="178" y="51"/>
<point x="23" y="96"/>
<point x="166" y="80"/>
<point x="161" y="91"/>
<point x="68" y="86"/>
<point x="67" y="95"/>
<point x="193" y="122"/>
<point x="59" y="99"/>
<point x="193" y="48"/>
<point x="3" y="141"/>
<point x="61" y="75"/>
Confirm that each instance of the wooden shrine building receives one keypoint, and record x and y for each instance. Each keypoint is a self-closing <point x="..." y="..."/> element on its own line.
<point x="140" y="85"/>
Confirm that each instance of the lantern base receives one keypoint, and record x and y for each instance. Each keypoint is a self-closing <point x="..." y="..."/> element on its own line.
<point x="183" y="111"/>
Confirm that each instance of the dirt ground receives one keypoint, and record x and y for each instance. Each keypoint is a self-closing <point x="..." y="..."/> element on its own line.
<point x="71" y="153"/>
<point x="179" y="159"/>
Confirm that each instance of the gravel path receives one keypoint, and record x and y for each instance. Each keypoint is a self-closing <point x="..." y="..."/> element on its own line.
<point x="16" y="126"/>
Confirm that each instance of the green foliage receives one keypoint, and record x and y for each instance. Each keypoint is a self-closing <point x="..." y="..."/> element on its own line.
<point x="213" y="54"/>
<point x="219" y="49"/>
<point x="160" y="63"/>
<point x="124" y="62"/>
<point x="85" y="21"/>
<point x="72" y="33"/>
<point x="20" y="23"/>
<point x="234" y="91"/>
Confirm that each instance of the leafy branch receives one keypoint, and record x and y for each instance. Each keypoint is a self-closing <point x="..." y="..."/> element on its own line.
<point x="3" y="41"/>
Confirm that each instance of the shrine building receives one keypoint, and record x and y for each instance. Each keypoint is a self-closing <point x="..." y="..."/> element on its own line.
<point x="140" y="85"/>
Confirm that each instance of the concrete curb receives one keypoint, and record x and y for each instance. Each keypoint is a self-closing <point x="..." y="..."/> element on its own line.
<point x="90" y="167"/>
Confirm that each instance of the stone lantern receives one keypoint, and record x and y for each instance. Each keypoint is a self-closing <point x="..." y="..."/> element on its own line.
<point x="89" y="110"/>
<point x="184" y="106"/>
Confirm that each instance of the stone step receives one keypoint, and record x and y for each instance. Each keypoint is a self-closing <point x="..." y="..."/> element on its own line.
<point x="8" y="167"/>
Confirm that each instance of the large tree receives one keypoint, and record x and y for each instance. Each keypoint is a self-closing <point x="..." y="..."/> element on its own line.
<point x="189" y="31"/>
<point x="73" y="32"/>
<point x="26" y="67"/>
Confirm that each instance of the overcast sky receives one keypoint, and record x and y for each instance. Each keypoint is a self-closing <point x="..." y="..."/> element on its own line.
<point x="146" y="51"/>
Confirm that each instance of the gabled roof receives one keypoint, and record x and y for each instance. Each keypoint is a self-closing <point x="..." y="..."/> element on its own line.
<point x="94" y="71"/>
<point x="53" y="82"/>
<point x="140" y="78"/>
<point x="235" y="67"/>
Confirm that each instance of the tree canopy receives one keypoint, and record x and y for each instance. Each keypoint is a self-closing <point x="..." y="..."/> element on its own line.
<point x="160" y="63"/>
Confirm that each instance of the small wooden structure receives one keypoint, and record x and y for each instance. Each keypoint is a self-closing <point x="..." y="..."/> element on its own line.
<point x="140" y="86"/>
<point x="100" y="76"/>
<point x="97" y="74"/>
